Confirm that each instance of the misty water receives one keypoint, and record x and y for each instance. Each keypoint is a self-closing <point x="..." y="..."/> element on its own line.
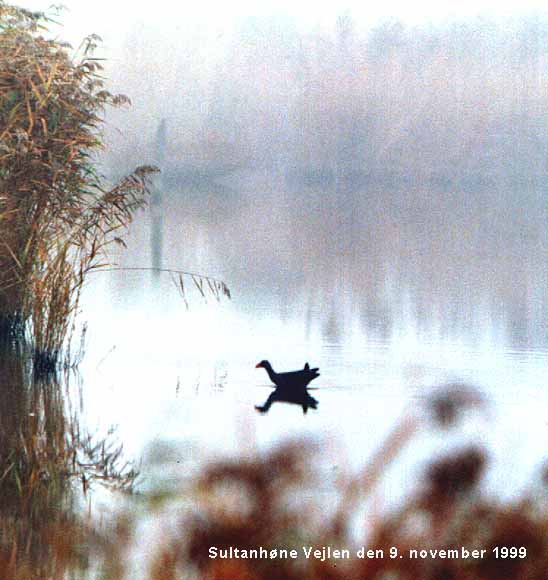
<point x="392" y="292"/>
<point x="374" y="197"/>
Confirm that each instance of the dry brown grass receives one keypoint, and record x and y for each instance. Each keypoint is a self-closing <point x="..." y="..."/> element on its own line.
<point x="266" y="501"/>
<point x="56" y="214"/>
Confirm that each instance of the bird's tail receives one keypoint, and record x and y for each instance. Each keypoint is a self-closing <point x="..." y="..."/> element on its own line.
<point x="312" y="402"/>
<point x="314" y="370"/>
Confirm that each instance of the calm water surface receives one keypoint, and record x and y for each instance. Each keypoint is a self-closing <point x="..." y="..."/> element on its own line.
<point x="391" y="292"/>
<point x="163" y="374"/>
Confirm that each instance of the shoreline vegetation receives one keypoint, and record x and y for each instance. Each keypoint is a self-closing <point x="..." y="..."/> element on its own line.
<point x="57" y="215"/>
<point x="57" y="218"/>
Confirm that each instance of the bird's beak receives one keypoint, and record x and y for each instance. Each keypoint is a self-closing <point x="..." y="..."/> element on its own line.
<point x="258" y="366"/>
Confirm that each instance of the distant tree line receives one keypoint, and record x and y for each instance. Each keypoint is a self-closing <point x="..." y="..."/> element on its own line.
<point x="464" y="99"/>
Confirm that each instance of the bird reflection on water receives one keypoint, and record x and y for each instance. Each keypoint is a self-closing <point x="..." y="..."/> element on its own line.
<point x="291" y="387"/>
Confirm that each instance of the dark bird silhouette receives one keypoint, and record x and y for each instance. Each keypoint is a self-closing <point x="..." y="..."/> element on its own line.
<point x="291" y="387"/>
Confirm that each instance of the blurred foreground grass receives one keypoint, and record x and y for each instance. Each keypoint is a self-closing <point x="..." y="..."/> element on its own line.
<point x="278" y="501"/>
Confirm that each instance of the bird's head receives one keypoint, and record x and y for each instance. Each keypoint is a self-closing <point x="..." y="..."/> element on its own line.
<point x="262" y="365"/>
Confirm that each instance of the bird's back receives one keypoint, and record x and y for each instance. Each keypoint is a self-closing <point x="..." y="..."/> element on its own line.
<point x="296" y="379"/>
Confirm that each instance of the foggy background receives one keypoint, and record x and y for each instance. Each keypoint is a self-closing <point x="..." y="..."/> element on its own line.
<point x="339" y="167"/>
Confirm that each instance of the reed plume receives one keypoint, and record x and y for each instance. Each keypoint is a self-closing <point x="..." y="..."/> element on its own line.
<point x="57" y="215"/>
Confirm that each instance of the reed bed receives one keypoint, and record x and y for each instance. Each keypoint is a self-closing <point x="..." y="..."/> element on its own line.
<point x="57" y="215"/>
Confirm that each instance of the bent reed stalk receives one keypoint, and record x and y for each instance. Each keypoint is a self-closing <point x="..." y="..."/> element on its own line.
<point x="56" y="216"/>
